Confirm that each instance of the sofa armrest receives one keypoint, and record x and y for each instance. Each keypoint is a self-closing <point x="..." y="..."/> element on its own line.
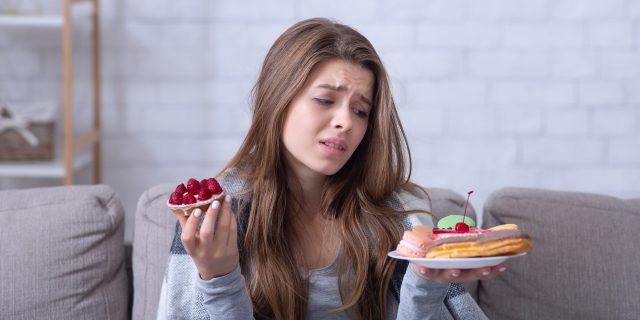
<point x="61" y="254"/>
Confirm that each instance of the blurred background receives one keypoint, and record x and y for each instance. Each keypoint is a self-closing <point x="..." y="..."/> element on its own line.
<point x="492" y="93"/>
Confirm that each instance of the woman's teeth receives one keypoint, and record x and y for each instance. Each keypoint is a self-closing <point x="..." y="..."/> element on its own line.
<point x="332" y="145"/>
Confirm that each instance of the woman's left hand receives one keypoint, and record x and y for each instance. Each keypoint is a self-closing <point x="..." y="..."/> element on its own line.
<point x="458" y="275"/>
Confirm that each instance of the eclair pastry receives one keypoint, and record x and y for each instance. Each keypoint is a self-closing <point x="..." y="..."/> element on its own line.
<point x="497" y="241"/>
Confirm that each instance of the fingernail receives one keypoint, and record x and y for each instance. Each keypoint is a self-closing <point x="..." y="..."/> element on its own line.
<point x="485" y="273"/>
<point x="423" y="270"/>
<point x="227" y="198"/>
<point x="197" y="212"/>
<point x="455" y="274"/>
<point x="503" y="269"/>
<point x="216" y="204"/>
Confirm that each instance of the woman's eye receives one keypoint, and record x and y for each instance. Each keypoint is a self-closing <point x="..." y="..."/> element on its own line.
<point x="360" y="113"/>
<point x="324" y="102"/>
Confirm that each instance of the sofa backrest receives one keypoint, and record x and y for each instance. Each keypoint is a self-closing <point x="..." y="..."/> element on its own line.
<point x="155" y="227"/>
<point x="62" y="254"/>
<point x="585" y="258"/>
<point x="446" y="202"/>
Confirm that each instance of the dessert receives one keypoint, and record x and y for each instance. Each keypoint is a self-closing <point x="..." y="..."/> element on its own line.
<point x="414" y="242"/>
<point x="450" y="221"/>
<point x="456" y="225"/>
<point x="445" y="233"/>
<point x="458" y="237"/>
<point x="498" y="241"/>
<point x="195" y="194"/>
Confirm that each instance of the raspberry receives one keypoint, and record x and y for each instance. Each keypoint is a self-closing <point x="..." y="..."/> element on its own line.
<point x="214" y="186"/>
<point x="176" y="198"/>
<point x="188" y="199"/>
<point x="193" y="186"/>
<point x="181" y="189"/>
<point x="204" y="194"/>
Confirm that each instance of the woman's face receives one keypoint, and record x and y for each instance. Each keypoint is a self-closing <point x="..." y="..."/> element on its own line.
<point x="328" y="118"/>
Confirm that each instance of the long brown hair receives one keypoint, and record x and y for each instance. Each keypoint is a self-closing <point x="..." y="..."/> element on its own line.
<point x="355" y="196"/>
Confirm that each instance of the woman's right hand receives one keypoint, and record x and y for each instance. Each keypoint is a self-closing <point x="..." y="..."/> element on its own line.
<point x="214" y="247"/>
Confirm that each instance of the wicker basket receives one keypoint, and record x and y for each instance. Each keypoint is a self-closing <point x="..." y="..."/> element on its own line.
<point x="14" y="147"/>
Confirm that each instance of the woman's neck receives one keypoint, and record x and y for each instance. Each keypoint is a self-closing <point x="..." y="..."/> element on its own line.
<point x="308" y="191"/>
<point x="315" y="238"/>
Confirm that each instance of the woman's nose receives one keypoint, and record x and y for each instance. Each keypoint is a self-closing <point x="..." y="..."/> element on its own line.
<point x="342" y="117"/>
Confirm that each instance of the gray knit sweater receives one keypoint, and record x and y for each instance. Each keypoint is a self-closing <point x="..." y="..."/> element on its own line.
<point x="185" y="296"/>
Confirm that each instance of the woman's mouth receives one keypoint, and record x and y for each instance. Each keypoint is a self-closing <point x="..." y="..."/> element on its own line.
<point x="334" y="146"/>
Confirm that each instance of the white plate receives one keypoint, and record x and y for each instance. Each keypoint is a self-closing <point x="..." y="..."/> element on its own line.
<point x="456" y="263"/>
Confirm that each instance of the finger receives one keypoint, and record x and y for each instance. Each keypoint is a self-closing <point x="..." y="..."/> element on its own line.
<point x="483" y="273"/>
<point x="190" y="228"/>
<point x="495" y="271"/>
<point x="501" y="267"/>
<point x="208" y="227"/>
<point x="421" y="271"/>
<point x="453" y="274"/>
<point x="224" y="224"/>
<point x="427" y="273"/>
<point x="182" y="220"/>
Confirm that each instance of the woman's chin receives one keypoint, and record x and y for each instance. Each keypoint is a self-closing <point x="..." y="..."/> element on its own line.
<point x="329" y="170"/>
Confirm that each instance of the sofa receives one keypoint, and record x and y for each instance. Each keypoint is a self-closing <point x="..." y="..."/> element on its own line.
<point x="63" y="256"/>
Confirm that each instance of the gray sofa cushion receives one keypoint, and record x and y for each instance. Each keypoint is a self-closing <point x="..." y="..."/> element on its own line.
<point x="154" y="229"/>
<point x="585" y="258"/>
<point x="61" y="254"/>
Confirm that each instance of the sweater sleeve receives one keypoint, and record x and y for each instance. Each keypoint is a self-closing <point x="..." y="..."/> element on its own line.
<point x="422" y="299"/>
<point x="225" y="297"/>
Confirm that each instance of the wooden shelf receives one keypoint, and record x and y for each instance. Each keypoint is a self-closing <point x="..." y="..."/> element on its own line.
<point x="43" y="169"/>
<point x="73" y="152"/>
<point x="35" y="21"/>
<point x="54" y="168"/>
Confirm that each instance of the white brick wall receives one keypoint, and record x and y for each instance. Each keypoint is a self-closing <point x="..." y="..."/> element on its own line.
<point x="492" y="93"/>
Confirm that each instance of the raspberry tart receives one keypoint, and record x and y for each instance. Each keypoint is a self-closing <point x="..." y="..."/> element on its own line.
<point x="195" y="194"/>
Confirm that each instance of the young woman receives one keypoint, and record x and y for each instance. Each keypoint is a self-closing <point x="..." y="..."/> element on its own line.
<point x="317" y="195"/>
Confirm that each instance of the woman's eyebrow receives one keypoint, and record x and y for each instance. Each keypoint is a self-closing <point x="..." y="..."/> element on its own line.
<point x="343" y="88"/>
